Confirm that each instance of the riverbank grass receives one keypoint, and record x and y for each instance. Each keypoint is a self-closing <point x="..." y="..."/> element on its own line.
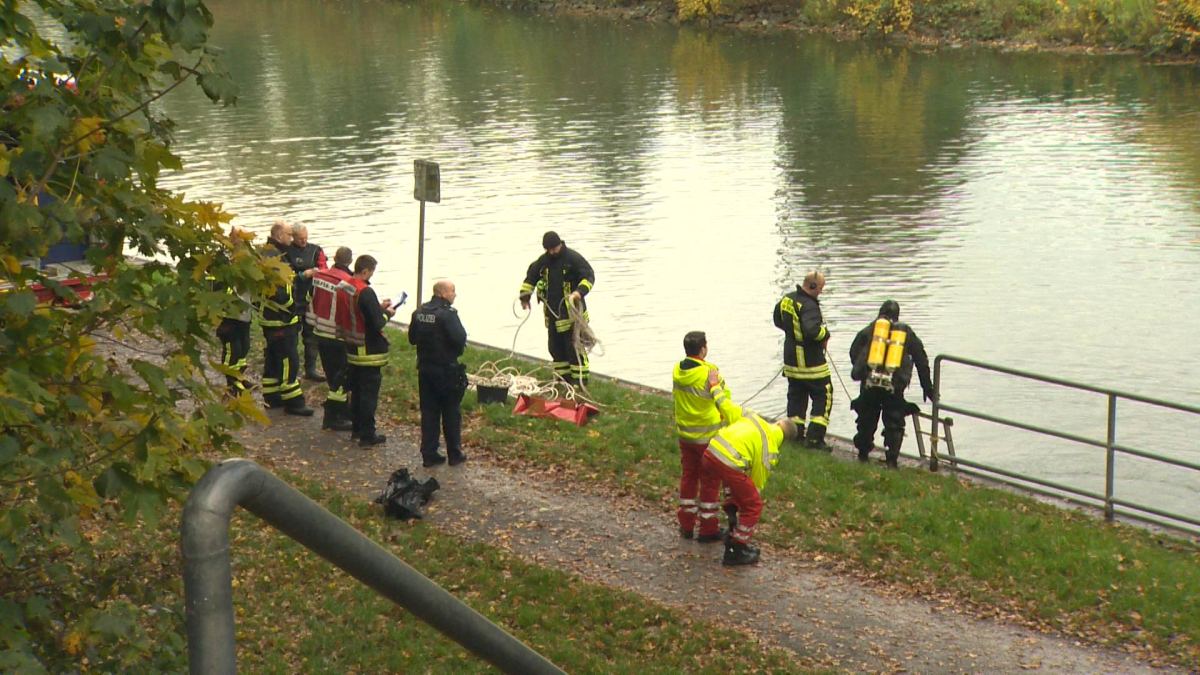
<point x="297" y="613"/>
<point x="930" y="534"/>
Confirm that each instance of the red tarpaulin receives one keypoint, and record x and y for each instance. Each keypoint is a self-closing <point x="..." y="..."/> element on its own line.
<point x="562" y="409"/>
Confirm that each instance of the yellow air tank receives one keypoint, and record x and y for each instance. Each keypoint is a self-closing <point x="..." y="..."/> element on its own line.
<point x="895" y="352"/>
<point x="879" y="342"/>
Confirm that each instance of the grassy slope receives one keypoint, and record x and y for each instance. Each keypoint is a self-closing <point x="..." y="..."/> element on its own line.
<point x="298" y="613"/>
<point x="929" y="533"/>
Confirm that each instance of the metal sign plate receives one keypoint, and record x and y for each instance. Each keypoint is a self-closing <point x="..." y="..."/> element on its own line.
<point x="427" y="185"/>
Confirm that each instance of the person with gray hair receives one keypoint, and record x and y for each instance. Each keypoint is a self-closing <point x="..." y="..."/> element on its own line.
<point x="741" y="457"/>
<point x="281" y="327"/>
<point x="306" y="259"/>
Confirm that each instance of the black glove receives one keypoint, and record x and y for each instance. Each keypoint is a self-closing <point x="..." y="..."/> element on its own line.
<point x="929" y="395"/>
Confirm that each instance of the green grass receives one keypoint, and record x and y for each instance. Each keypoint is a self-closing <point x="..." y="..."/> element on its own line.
<point x="926" y="532"/>
<point x="297" y="613"/>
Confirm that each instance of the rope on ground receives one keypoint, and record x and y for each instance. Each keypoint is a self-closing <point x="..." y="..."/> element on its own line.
<point x="492" y="374"/>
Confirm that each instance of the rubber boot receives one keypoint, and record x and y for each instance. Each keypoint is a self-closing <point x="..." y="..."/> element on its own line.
<point x="334" y="419"/>
<point x="816" y="438"/>
<point x="739" y="554"/>
<point x="710" y="538"/>
<point x="295" y="406"/>
<point x="893" y="458"/>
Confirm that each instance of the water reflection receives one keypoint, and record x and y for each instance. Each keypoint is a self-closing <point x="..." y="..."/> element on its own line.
<point x="1038" y="211"/>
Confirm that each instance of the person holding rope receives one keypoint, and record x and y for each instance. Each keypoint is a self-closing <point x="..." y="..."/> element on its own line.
<point x="561" y="277"/>
<point x="798" y="315"/>
<point x="703" y="406"/>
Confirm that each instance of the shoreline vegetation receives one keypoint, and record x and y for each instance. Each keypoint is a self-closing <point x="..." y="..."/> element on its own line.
<point x="995" y="553"/>
<point x="1162" y="30"/>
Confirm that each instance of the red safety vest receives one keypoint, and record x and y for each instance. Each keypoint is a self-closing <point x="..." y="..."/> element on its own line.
<point x="351" y="325"/>
<point x="322" y="308"/>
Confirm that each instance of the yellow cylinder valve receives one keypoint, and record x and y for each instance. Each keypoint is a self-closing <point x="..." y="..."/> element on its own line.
<point x="895" y="351"/>
<point x="879" y="340"/>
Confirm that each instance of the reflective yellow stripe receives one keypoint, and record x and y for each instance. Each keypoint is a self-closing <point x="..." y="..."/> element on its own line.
<point x="367" y="359"/>
<point x="710" y="429"/>
<point x="585" y="284"/>
<point x="768" y="455"/>
<point x="806" y="373"/>
<point x="694" y="391"/>
<point x="727" y="455"/>
<point x="526" y="289"/>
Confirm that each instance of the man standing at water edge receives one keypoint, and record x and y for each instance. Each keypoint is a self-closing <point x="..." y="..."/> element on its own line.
<point x="561" y="276"/>
<point x="798" y="315"/>
<point x="440" y="339"/>
<point x="883" y="382"/>
<point x="703" y="406"/>
<point x="306" y="259"/>
<point x="366" y="352"/>
<point x="281" y="329"/>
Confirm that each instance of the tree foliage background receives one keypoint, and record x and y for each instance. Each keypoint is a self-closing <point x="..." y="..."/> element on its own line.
<point x="91" y="444"/>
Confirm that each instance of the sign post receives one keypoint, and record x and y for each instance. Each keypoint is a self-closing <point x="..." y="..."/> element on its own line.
<point x="427" y="187"/>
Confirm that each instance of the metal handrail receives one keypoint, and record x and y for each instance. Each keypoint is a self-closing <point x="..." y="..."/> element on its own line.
<point x="1110" y="445"/>
<point x="208" y="578"/>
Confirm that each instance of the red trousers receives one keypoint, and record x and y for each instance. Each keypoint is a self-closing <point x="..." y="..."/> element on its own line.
<point x="689" y="483"/>
<point x="742" y="494"/>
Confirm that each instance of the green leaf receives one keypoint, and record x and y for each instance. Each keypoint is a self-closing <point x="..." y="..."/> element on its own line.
<point x="9" y="447"/>
<point x="154" y="378"/>
<point x="47" y="121"/>
<point x="113" y="482"/>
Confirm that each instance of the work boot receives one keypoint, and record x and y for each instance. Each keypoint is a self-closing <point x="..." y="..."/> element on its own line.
<point x="739" y="554"/>
<point x="432" y="461"/>
<point x="456" y="459"/>
<point x="710" y="538"/>
<point x="312" y="374"/>
<point x="893" y="459"/>
<point x="298" y="408"/>
<point x="685" y="533"/>
<point x="864" y="457"/>
<point x="273" y="401"/>
<point x="731" y="513"/>
<point x="816" y="438"/>
<point x="334" y="419"/>
<point x="368" y="441"/>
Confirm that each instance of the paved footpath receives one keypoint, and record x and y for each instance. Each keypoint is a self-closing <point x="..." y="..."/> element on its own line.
<point x="788" y="602"/>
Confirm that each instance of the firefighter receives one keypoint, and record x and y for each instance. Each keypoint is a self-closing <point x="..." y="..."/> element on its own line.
<point x="703" y="406"/>
<point x="281" y="329"/>
<point x="440" y="339"/>
<point x="798" y="315"/>
<point x="366" y="350"/>
<point x="561" y="275"/>
<point x="234" y="329"/>
<point x="883" y="380"/>
<point x="741" y="456"/>
<point x="307" y="259"/>
<point x="321" y="316"/>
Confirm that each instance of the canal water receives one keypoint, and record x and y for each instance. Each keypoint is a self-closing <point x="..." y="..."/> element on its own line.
<point x="1036" y="211"/>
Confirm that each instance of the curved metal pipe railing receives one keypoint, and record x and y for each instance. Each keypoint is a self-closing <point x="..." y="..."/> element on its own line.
<point x="207" y="573"/>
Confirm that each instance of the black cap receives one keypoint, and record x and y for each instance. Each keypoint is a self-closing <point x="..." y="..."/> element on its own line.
<point x="890" y="309"/>
<point x="550" y="240"/>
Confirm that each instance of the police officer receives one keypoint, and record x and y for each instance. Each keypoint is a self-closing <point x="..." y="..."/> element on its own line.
<point x="306" y="259"/>
<point x="440" y="339"/>
<point x="883" y="393"/>
<point x="561" y="276"/>
<point x="798" y="315"/>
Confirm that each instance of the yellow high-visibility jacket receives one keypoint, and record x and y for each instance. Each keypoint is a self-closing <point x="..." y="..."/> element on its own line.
<point x="701" y="410"/>
<point x="751" y="445"/>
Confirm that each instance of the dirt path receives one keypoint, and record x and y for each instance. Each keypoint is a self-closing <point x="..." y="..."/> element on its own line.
<point x="788" y="602"/>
